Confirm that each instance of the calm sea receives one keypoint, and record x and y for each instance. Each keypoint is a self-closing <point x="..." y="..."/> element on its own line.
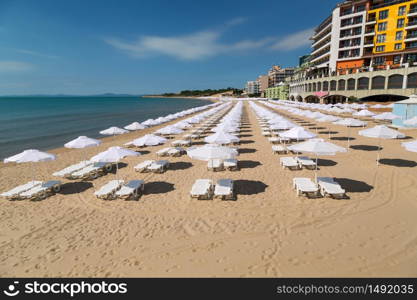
<point x="49" y="122"/>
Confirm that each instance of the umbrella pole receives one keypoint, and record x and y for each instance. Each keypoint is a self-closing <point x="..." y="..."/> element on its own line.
<point x="348" y="138"/>
<point x="315" y="173"/>
<point x="379" y="150"/>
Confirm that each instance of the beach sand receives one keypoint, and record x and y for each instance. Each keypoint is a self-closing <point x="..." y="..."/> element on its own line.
<point x="267" y="232"/>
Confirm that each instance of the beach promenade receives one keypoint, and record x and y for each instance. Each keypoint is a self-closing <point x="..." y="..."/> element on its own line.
<point x="267" y="232"/>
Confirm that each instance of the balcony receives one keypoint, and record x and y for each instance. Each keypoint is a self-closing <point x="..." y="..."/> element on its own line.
<point x="320" y="31"/>
<point x="317" y="42"/>
<point x="410" y="38"/>
<point x="387" y="3"/>
<point x="322" y="47"/>
<point x="412" y="12"/>
<point x="320" y="57"/>
<point x="370" y="21"/>
<point x="411" y="25"/>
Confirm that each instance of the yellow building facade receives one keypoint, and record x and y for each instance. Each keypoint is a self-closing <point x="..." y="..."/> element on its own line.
<point x="392" y="25"/>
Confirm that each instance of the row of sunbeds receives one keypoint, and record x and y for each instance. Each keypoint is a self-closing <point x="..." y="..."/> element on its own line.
<point x="85" y="170"/>
<point x="33" y="190"/>
<point x="325" y="186"/>
<point x="131" y="190"/>
<point x="153" y="166"/>
<point x="297" y="163"/>
<point x="205" y="189"/>
<point x="217" y="165"/>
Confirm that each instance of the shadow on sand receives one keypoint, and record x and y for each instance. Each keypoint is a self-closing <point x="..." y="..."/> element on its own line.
<point x="70" y="188"/>
<point x="248" y="164"/>
<point x="158" y="187"/>
<point x="397" y="162"/>
<point x="354" y="186"/>
<point x="365" y="147"/>
<point x="249" y="187"/>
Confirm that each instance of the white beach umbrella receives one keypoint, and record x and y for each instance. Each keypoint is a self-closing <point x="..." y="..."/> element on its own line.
<point x="31" y="155"/>
<point x="410" y="146"/>
<point x="150" y="122"/>
<point x="149" y="140"/>
<point x="282" y="125"/>
<point x="82" y="142"/>
<point x="350" y="122"/>
<point x="318" y="147"/>
<point x="113" y="155"/>
<point x="378" y="106"/>
<point x="135" y="126"/>
<point x="168" y="130"/>
<point x="211" y="151"/>
<point x="364" y="113"/>
<point x="389" y="116"/>
<point x="412" y="121"/>
<point x="297" y="133"/>
<point x="113" y="131"/>
<point x="381" y="132"/>
<point x="328" y="119"/>
<point x="221" y="138"/>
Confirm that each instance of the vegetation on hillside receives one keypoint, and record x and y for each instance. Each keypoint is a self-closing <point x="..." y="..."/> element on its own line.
<point x="202" y="93"/>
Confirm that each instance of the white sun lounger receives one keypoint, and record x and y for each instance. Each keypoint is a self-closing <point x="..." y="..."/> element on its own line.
<point x="91" y="171"/>
<point x="215" y="165"/>
<point x="202" y="189"/>
<point x="274" y="140"/>
<point x="107" y="191"/>
<point x="159" y="166"/>
<point x="163" y="152"/>
<point x="266" y="133"/>
<point x="290" y="163"/>
<point x="181" y="143"/>
<point x="175" y="152"/>
<point x="143" y="166"/>
<point x="131" y="190"/>
<point x="224" y="189"/>
<point x="306" y="162"/>
<point x="329" y="187"/>
<point x="279" y="149"/>
<point x="14" y="193"/>
<point x="305" y="186"/>
<point x="42" y="191"/>
<point x="67" y="172"/>
<point x="231" y="164"/>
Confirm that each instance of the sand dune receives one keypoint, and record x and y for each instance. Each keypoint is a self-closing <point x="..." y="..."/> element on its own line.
<point x="268" y="231"/>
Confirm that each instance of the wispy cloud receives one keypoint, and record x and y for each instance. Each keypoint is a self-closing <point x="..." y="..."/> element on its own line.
<point x="293" y="41"/>
<point x="30" y="52"/>
<point x="11" y="66"/>
<point x="204" y="44"/>
<point x="34" y="53"/>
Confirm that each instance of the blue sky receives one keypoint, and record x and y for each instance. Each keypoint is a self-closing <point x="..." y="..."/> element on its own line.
<point x="90" y="47"/>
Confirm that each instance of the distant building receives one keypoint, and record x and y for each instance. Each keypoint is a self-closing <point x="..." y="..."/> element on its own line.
<point x="303" y="60"/>
<point x="279" y="92"/>
<point x="263" y="83"/>
<point x="277" y="74"/>
<point x="252" y="88"/>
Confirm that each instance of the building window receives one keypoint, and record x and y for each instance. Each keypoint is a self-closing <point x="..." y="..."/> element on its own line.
<point x="383" y="14"/>
<point x="363" y="83"/>
<point x="333" y="85"/>
<point x="398" y="46"/>
<point x="395" y="81"/>
<point x="378" y="83"/>
<point x="351" y="84"/>
<point x="379" y="60"/>
<point x="400" y="23"/>
<point x="398" y="35"/>
<point x="397" y="59"/>
<point x="380" y="38"/>
<point x="401" y="10"/>
<point x="412" y="81"/>
<point x="380" y="48"/>
<point x="382" y="26"/>
<point x="342" y="84"/>
<point x="355" y="52"/>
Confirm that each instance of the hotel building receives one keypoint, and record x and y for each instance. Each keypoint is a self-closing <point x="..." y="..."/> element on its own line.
<point x="364" y="48"/>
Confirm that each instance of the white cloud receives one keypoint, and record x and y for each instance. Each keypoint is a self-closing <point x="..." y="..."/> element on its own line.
<point x="195" y="46"/>
<point x="293" y="41"/>
<point x="204" y="44"/>
<point x="10" y="66"/>
<point x="34" y="53"/>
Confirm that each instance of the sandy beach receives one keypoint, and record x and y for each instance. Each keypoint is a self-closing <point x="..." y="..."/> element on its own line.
<point x="267" y="232"/>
